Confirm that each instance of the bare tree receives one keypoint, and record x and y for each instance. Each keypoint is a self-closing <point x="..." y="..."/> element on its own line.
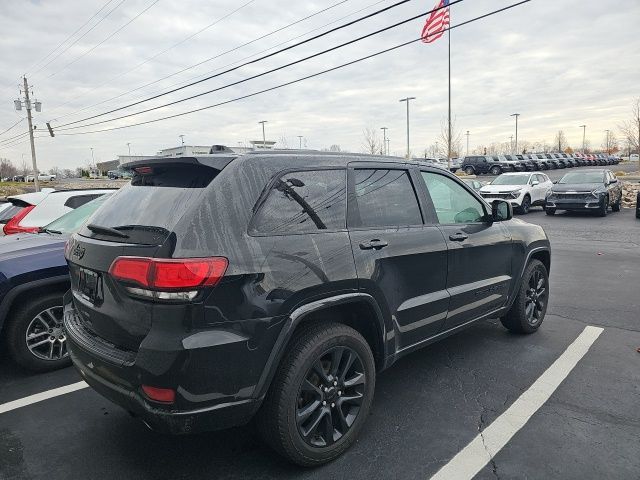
<point x="284" y="144"/>
<point x="631" y="128"/>
<point x="7" y="169"/>
<point x="609" y="142"/>
<point x="24" y="168"/>
<point x="372" y="143"/>
<point x="335" y="148"/>
<point x="456" y="139"/>
<point x="560" y="141"/>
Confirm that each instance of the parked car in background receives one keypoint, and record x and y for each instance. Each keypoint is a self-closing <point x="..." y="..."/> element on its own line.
<point x="485" y="164"/>
<point x="45" y="177"/>
<point x="541" y="162"/>
<point x="528" y="162"/>
<point x="17" y="206"/>
<point x="53" y="206"/>
<point x="198" y="310"/>
<point x="516" y="165"/>
<point x="33" y="278"/>
<point x="586" y="190"/>
<point x="521" y="190"/>
<point x="456" y="164"/>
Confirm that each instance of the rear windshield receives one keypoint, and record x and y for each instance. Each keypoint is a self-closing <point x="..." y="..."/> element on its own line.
<point x="146" y="210"/>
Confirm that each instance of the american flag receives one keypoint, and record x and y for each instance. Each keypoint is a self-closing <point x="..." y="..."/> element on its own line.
<point x="437" y="23"/>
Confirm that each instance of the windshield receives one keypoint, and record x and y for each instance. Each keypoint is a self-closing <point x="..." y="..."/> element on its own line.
<point x="583" y="177"/>
<point x="72" y="221"/>
<point x="511" y="180"/>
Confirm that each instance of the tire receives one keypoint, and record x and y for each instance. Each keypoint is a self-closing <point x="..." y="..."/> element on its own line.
<point x="550" y="211"/>
<point x="469" y="170"/>
<point x="30" y="318"/>
<point x="616" y="206"/>
<point x="528" y="309"/>
<point x="286" y="400"/>
<point x="526" y="205"/>
<point x="605" y="206"/>
<point x="496" y="170"/>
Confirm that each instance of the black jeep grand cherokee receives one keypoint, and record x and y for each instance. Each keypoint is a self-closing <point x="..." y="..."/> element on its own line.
<point x="214" y="289"/>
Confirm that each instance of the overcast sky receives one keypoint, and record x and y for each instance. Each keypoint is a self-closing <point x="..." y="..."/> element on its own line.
<point x="560" y="64"/>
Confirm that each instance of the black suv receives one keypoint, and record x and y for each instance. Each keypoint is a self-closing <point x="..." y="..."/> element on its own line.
<point x="586" y="190"/>
<point x="480" y="164"/>
<point x="215" y="289"/>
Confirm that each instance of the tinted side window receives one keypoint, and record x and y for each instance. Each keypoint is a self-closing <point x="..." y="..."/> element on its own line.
<point x="384" y="198"/>
<point x="305" y="201"/>
<point x="79" y="200"/>
<point x="452" y="202"/>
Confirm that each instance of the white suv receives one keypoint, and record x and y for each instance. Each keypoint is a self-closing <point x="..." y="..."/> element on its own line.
<point x="522" y="189"/>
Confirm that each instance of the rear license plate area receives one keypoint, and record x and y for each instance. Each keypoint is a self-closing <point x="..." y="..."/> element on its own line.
<point x="90" y="285"/>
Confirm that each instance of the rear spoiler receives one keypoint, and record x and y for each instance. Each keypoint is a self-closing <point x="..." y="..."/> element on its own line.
<point x="217" y="162"/>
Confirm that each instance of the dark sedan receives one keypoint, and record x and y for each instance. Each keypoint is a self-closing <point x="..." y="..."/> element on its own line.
<point x="591" y="190"/>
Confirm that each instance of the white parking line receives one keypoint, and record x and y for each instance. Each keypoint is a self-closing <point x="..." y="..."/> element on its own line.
<point x="39" y="397"/>
<point x="473" y="458"/>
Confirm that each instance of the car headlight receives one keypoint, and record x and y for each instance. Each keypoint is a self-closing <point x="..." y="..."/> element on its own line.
<point x="597" y="192"/>
<point x="549" y="194"/>
<point x="516" y="193"/>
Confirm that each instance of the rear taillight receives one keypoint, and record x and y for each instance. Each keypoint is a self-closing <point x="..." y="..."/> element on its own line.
<point x="160" y="395"/>
<point x="168" y="279"/>
<point x="13" y="225"/>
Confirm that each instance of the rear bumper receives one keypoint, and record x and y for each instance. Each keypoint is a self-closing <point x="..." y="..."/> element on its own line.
<point x="216" y="417"/>
<point x="215" y="374"/>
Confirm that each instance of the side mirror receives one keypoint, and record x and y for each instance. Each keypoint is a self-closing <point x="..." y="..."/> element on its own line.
<point x="615" y="180"/>
<point x="534" y="183"/>
<point x="501" y="211"/>
<point x="555" y="181"/>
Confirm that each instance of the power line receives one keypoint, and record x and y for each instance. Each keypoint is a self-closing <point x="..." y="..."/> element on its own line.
<point x="253" y="77"/>
<point x="315" y="37"/>
<point x="70" y="36"/>
<point x="109" y="37"/>
<point x="8" y="129"/>
<point x="358" y="60"/>
<point x="203" y="61"/>
<point x="79" y="38"/>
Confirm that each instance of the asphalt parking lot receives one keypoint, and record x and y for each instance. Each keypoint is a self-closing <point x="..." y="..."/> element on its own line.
<point x="428" y="406"/>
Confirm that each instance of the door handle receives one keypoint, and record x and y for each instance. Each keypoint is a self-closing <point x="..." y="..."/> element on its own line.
<point x="458" y="237"/>
<point x="374" y="244"/>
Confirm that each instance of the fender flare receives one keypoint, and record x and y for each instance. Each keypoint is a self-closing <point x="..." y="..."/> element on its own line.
<point x="7" y="301"/>
<point x="530" y="254"/>
<point x="298" y="316"/>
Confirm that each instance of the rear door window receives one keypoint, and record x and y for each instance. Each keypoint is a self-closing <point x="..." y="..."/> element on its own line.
<point x="384" y="198"/>
<point x="303" y="202"/>
<point x="147" y="209"/>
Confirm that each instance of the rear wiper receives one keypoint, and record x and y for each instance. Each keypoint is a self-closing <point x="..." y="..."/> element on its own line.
<point x="49" y="230"/>
<point x="106" y="230"/>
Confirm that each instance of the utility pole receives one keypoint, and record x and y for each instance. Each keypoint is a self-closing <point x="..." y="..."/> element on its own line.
<point x="511" y="144"/>
<point x="182" y="139"/>
<point x="27" y="105"/>
<point x="584" y="133"/>
<point x="300" y="137"/>
<point x="384" y="141"/>
<point x="516" y="115"/>
<point x="129" y="147"/>
<point x="607" y="140"/>
<point x="388" y="142"/>
<point x="408" y="99"/>
<point x="264" y="138"/>
<point x="468" y="142"/>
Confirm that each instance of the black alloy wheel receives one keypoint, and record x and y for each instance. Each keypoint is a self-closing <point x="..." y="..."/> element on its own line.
<point x="330" y="397"/>
<point x="536" y="297"/>
<point x="530" y="305"/>
<point x="495" y="170"/>
<point x="469" y="170"/>
<point x="602" y="212"/>
<point x="321" y="394"/>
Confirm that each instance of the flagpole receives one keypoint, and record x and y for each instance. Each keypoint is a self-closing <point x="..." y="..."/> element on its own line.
<point x="449" y="130"/>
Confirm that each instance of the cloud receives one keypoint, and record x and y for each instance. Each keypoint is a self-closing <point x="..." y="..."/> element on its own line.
<point x="559" y="64"/>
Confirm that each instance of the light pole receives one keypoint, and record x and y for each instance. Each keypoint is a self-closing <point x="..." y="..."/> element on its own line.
<point x="607" y="140"/>
<point x="584" y="133"/>
<point x="129" y="147"/>
<point x="388" y="142"/>
<point x="516" y="115"/>
<point x="384" y="141"/>
<point x="264" y="138"/>
<point x="468" y="142"/>
<point x="300" y="137"/>
<point x="93" y="162"/>
<point x="511" y="143"/>
<point x="407" y="100"/>
<point x="181" y="140"/>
